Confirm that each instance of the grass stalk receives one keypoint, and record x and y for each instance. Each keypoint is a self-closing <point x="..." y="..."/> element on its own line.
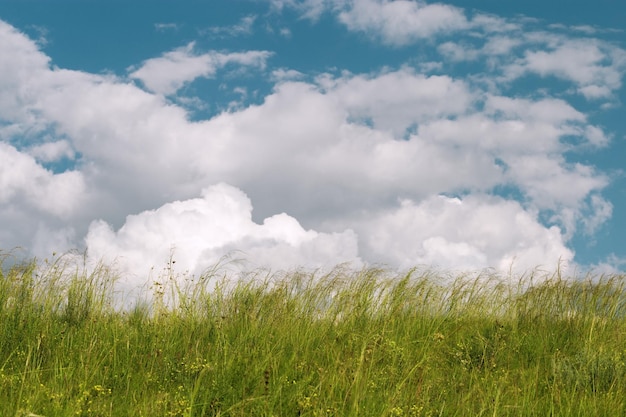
<point x="366" y="342"/>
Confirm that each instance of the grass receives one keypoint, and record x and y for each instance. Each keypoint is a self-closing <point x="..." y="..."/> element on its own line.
<point x="343" y="343"/>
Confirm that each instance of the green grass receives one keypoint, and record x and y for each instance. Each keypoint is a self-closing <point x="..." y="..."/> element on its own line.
<point x="343" y="343"/>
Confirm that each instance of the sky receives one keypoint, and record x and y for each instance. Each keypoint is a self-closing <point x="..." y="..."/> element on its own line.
<point x="307" y="133"/>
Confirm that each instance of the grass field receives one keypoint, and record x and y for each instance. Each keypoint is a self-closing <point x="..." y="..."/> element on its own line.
<point x="343" y="343"/>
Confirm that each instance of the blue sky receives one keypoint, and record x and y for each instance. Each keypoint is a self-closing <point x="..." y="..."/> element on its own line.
<point x="462" y="135"/>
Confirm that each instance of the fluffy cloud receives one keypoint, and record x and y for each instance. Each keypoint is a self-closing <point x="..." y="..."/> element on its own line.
<point x="197" y="233"/>
<point x="492" y="232"/>
<point x="358" y="164"/>
<point x="52" y="151"/>
<point x="396" y="100"/>
<point x="401" y="22"/>
<point x="21" y="75"/>
<point x="513" y="47"/>
<point x="168" y="73"/>
<point x="23" y="181"/>
<point x="595" y="67"/>
<point x="393" y="22"/>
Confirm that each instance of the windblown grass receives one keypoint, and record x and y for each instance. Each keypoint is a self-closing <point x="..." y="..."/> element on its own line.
<point x="343" y="343"/>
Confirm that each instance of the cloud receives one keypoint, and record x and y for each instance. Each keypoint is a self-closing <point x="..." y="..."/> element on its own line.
<point x="23" y="181"/>
<point x="453" y="51"/>
<point x="393" y="22"/>
<point x="594" y="66"/>
<point x="243" y="27"/>
<point x="398" y="22"/>
<point x="309" y="9"/>
<point x="600" y="211"/>
<point x="358" y="165"/>
<point x="283" y="74"/>
<point x="492" y="232"/>
<point x="21" y="75"/>
<point x="168" y="73"/>
<point x="515" y="47"/>
<point x="401" y="22"/>
<point x="611" y="265"/>
<point x="52" y="151"/>
<point x="578" y="61"/>
<point x="197" y="233"/>
<point x="162" y="27"/>
<point x="396" y="100"/>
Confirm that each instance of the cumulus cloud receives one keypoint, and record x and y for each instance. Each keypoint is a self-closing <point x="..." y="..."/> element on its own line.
<point x="52" y="151"/>
<point x="350" y="167"/>
<point x="197" y="233"/>
<point x="595" y="67"/>
<point x="401" y="22"/>
<point x="396" y="100"/>
<point x="514" y="47"/>
<point x="168" y="73"/>
<point x="23" y="180"/>
<point x="492" y="232"/>
<point x="21" y="75"/>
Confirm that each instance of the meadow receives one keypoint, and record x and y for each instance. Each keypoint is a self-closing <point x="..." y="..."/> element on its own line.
<point x="344" y="342"/>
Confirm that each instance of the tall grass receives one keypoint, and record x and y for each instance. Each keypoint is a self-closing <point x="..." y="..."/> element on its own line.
<point x="342" y="343"/>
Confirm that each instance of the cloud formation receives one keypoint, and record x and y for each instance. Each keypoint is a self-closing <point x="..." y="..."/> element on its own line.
<point x="198" y="233"/>
<point x="492" y="231"/>
<point x="401" y="22"/>
<point x="243" y="27"/>
<point x="394" y="166"/>
<point x="168" y="73"/>
<point x="594" y="67"/>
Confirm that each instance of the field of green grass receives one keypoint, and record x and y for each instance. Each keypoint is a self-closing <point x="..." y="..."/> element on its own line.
<point x="342" y="343"/>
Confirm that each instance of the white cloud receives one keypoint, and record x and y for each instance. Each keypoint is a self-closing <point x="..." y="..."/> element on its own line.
<point x="600" y="210"/>
<point x="401" y="22"/>
<point x="470" y="233"/>
<point x="197" y="233"/>
<point x="398" y="22"/>
<point x="501" y="45"/>
<point x="23" y="181"/>
<point x="284" y="74"/>
<point x="309" y="9"/>
<point x="336" y="155"/>
<point x="168" y="73"/>
<point x="21" y="75"/>
<point x="597" y="68"/>
<point x="52" y="151"/>
<point x="243" y="27"/>
<point x="554" y="112"/>
<point x="162" y="27"/>
<point x="457" y="52"/>
<point x="551" y="183"/>
<point x="611" y="265"/>
<point x="396" y="100"/>
<point x="597" y="137"/>
<point x="49" y="240"/>
<point x="594" y="92"/>
<point x="492" y="24"/>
